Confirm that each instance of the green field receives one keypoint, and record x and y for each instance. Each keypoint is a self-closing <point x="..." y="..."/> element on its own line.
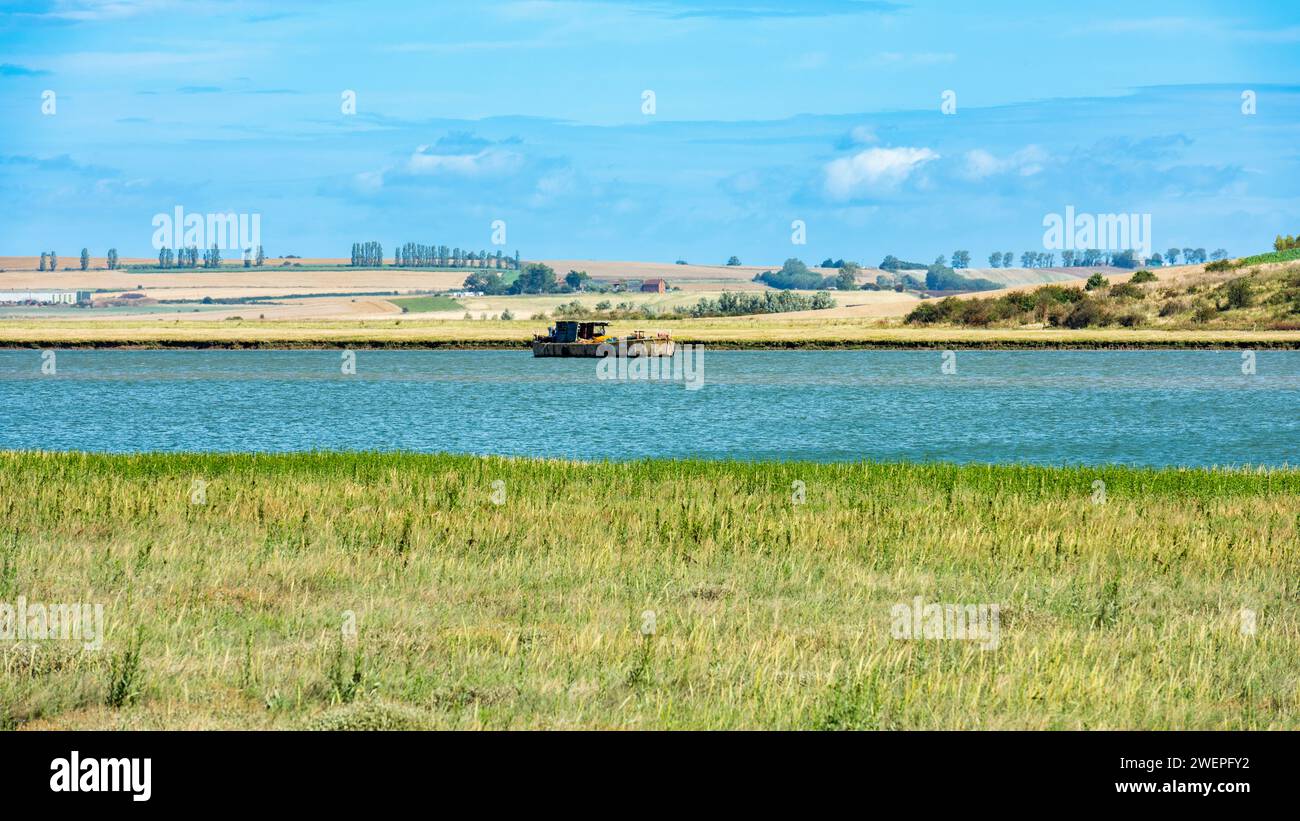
<point x="528" y="603"/>
<point x="424" y="304"/>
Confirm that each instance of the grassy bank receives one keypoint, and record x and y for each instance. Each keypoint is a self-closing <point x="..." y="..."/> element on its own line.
<point x="1119" y="611"/>
<point x="739" y="332"/>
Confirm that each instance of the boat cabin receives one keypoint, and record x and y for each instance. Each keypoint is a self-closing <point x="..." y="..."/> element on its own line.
<point x="566" y="330"/>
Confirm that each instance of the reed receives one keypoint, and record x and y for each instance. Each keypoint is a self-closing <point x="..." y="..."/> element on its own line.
<point x="399" y="590"/>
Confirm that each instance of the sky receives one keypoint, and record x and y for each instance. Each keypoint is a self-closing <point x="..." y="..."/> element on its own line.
<point x="648" y="129"/>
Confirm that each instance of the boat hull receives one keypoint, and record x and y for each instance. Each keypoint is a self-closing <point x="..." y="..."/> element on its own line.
<point x="633" y="348"/>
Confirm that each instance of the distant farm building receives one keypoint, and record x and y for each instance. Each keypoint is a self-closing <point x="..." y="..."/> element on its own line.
<point x="654" y="286"/>
<point x="44" y="297"/>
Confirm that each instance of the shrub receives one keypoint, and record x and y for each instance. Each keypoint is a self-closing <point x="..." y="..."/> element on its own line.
<point x="1205" y="311"/>
<point x="1021" y="301"/>
<point x="1054" y="314"/>
<point x="1174" y="306"/>
<point x="1239" y="293"/>
<point x="507" y="315"/>
<point x="1141" y="277"/>
<point x="1058" y="293"/>
<point x="124" y="675"/>
<point x="1096" y="281"/>
<point x="1127" y="290"/>
<point x="1220" y="265"/>
<point x="1131" y="319"/>
<point x="1085" y="313"/>
<point x="978" y="312"/>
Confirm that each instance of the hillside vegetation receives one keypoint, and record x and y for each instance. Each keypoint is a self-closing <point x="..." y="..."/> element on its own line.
<point x="1226" y="295"/>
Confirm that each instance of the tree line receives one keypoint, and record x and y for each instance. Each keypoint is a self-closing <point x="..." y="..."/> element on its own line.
<point x="189" y="257"/>
<point x="50" y="260"/>
<point x="419" y="255"/>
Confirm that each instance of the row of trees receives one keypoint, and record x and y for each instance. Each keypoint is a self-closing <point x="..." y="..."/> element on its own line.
<point x="416" y="255"/>
<point x="50" y="260"/>
<point x="189" y="257"/>
<point x="795" y="275"/>
<point x="940" y="277"/>
<point x="1084" y="258"/>
<point x="1287" y="243"/>
<point x="181" y="258"/>
<point x="419" y="255"/>
<point x="767" y="302"/>
<point x="1191" y="256"/>
<point x="367" y="254"/>
<point x="535" y="278"/>
<point x="1087" y="258"/>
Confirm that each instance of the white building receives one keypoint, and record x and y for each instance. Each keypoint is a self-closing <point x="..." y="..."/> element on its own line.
<point x="45" y="297"/>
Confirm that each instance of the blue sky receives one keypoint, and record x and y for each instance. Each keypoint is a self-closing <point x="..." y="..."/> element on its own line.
<point x="826" y="111"/>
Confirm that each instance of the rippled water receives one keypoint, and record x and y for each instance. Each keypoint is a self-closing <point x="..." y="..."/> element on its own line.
<point x="1050" y="407"/>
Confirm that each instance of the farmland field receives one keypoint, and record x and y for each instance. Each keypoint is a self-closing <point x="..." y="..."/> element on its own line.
<point x="356" y="590"/>
<point x="243" y="328"/>
<point x="426" y="304"/>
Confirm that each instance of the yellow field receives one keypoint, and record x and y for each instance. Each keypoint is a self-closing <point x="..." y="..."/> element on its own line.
<point x="771" y="331"/>
<point x="349" y="294"/>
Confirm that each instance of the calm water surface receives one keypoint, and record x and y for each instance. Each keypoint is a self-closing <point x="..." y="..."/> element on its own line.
<point x="1048" y="407"/>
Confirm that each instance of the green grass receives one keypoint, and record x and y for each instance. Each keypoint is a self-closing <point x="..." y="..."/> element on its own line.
<point x="529" y="613"/>
<point x="1288" y="255"/>
<point x="424" y="304"/>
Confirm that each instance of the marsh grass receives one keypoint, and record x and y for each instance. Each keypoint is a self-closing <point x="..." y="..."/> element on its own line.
<point x="472" y="614"/>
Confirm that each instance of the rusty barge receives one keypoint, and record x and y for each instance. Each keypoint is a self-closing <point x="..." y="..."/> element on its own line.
<point x="591" y="339"/>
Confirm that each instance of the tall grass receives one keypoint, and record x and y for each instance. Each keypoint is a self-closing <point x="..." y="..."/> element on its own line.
<point x="532" y="612"/>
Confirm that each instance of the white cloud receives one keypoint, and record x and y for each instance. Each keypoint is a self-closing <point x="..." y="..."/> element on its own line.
<point x="1026" y="162"/>
<point x="863" y="134"/>
<point x="369" y="181"/>
<point x="490" y="162"/>
<point x="552" y="185"/>
<point x="873" y="169"/>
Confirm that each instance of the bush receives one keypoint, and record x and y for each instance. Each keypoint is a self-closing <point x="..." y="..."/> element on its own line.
<point x="1239" y="293"/>
<point x="926" y="313"/>
<point x="948" y="309"/>
<point x="794" y="275"/>
<point x="1054" y="314"/>
<point x="507" y="315"/>
<point x="1085" y="313"/>
<point x="977" y="312"/>
<point x="1174" y="306"/>
<point x="1131" y="319"/>
<point x="1205" y="311"/>
<point x="1058" y="293"/>
<point x="1127" y="290"/>
<point x="1220" y="265"/>
<point x="1021" y="301"/>
<point x="1096" y="281"/>
<point x="1141" y="277"/>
